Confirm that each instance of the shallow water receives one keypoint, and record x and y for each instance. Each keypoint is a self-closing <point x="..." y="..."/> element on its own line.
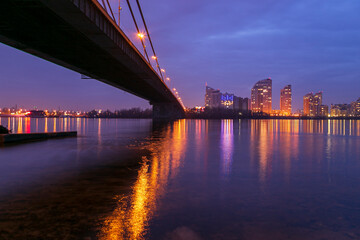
<point x="189" y="179"/>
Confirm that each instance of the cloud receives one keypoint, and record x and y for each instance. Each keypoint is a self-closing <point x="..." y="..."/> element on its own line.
<point x="244" y="33"/>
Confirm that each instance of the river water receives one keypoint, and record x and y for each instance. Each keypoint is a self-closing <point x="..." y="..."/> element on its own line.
<point x="189" y="179"/>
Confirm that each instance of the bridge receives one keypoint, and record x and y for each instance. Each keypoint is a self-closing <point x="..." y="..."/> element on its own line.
<point x="82" y="36"/>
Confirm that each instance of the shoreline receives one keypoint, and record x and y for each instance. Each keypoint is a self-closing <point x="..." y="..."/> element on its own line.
<point x="208" y="118"/>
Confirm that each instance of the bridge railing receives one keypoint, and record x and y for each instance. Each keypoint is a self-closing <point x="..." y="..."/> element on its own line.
<point x="109" y="26"/>
<point x="143" y="36"/>
<point x="102" y="15"/>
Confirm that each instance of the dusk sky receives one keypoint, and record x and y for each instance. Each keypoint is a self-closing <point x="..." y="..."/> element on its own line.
<point x="314" y="45"/>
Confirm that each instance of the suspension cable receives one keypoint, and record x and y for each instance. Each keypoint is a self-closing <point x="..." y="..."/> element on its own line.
<point x="112" y="14"/>
<point x="119" y="14"/>
<point x="148" y="34"/>
<point x="104" y="5"/>
<point x="138" y="31"/>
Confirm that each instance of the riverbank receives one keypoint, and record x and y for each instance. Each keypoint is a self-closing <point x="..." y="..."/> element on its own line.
<point x="275" y="117"/>
<point x="201" y="116"/>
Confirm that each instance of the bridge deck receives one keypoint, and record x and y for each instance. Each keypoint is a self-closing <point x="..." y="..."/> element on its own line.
<point x="79" y="35"/>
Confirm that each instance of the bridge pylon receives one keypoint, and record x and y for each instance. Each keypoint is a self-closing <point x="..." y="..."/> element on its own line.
<point x="167" y="111"/>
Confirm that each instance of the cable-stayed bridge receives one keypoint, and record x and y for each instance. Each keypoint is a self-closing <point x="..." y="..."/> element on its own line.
<point x="83" y="35"/>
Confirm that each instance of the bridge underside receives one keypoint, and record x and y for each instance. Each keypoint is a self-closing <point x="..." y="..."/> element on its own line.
<point x="167" y="111"/>
<point x="79" y="35"/>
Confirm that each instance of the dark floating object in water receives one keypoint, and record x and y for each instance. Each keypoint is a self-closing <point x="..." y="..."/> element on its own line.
<point x="24" y="137"/>
<point x="4" y="130"/>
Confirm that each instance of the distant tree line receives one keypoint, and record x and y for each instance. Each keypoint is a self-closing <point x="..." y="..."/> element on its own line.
<point x="221" y="113"/>
<point x="125" y="113"/>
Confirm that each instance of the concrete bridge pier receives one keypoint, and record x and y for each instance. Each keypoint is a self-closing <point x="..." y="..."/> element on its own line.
<point x="167" y="111"/>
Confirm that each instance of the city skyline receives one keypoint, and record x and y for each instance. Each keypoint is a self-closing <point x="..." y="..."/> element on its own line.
<point x="312" y="104"/>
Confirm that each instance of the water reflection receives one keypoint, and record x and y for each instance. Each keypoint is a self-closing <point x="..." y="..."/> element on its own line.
<point x="227" y="145"/>
<point x="54" y="124"/>
<point x="330" y="127"/>
<point x="130" y="220"/>
<point x="46" y="125"/>
<point x="222" y="179"/>
<point x="264" y="131"/>
<point x="29" y="125"/>
<point x="20" y="129"/>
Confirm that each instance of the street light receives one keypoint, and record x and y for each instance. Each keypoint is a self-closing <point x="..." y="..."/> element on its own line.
<point x="141" y="35"/>
<point x="168" y="79"/>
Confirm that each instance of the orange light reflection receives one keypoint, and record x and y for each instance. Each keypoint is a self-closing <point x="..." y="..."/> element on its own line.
<point x="131" y="217"/>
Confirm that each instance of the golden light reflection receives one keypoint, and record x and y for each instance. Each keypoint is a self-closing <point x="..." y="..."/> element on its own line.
<point x="329" y="127"/>
<point x="13" y="123"/>
<point x="54" y="124"/>
<point x="99" y="138"/>
<point x="37" y="125"/>
<point x="265" y="143"/>
<point x="130" y="219"/>
<point x="78" y="125"/>
<point x="20" y="126"/>
<point x="269" y="136"/>
<point x="350" y="127"/>
<point x="9" y="123"/>
<point x="65" y="124"/>
<point x="46" y="125"/>
<point x="288" y="143"/>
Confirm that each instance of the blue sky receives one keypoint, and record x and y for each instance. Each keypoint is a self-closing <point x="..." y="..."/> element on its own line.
<point x="314" y="45"/>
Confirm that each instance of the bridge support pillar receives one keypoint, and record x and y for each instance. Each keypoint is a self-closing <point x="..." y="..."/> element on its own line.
<point x="167" y="111"/>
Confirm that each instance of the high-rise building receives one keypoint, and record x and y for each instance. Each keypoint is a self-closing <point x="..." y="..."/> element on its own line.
<point x="216" y="99"/>
<point x="317" y="104"/>
<point x="261" y="96"/>
<point x="308" y="100"/>
<point x="285" y="100"/>
<point x="245" y="104"/>
<point x="227" y="101"/>
<point x="340" y="110"/>
<point x="324" y="111"/>
<point x="312" y="104"/>
<point x="212" y="97"/>
<point x="345" y="110"/>
<point x="241" y="104"/>
<point x="355" y="108"/>
<point x="237" y="103"/>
